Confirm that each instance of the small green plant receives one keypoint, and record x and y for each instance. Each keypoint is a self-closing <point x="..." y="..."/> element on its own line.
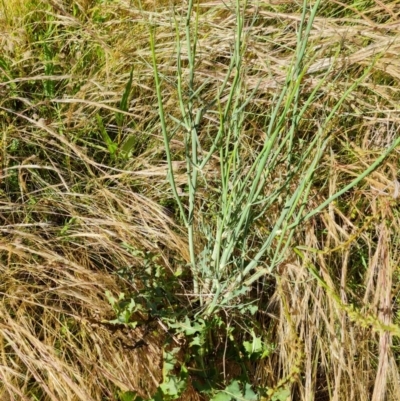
<point x="118" y="147"/>
<point x="111" y="145"/>
<point x="124" y="309"/>
<point x="257" y="349"/>
<point x="192" y="354"/>
<point x="236" y="392"/>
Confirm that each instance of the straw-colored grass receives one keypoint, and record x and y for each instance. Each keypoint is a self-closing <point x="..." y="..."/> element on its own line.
<point x="88" y="206"/>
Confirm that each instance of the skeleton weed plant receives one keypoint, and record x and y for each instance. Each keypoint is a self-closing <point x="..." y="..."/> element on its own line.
<point x="228" y="262"/>
<point x="222" y="210"/>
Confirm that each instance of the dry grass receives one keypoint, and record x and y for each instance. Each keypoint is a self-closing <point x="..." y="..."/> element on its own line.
<point x="68" y="208"/>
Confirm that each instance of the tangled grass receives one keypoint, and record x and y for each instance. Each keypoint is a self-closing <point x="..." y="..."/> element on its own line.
<point x="87" y="202"/>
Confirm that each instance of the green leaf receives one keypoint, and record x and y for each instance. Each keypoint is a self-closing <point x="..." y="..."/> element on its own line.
<point x="113" y="301"/>
<point x="129" y="396"/>
<point x="188" y="327"/>
<point x="281" y="395"/>
<point x="111" y="146"/>
<point x="248" y="346"/>
<point x="249" y="394"/>
<point x="256" y="346"/>
<point x="197" y="341"/>
<point x="221" y="396"/>
<point x="252" y="309"/>
<point x="249" y="308"/>
<point x="173" y="386"/>
<point x="169" y="361"/>
<point x="128" y="145"/>
<point x="119" y="117"/>
<point x="234" y="390"/>
<point x="267" y="350"/>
